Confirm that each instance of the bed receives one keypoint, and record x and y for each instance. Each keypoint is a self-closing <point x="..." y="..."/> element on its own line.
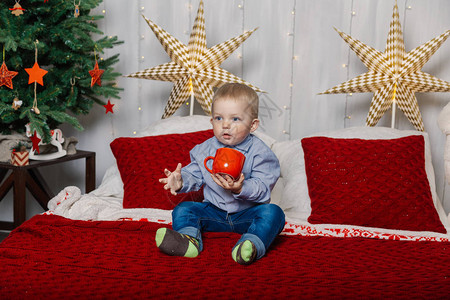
<point x="362" y="221"/>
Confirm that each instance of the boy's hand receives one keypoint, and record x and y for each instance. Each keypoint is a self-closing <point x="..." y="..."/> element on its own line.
<point x="227" y="183"/>
<point x="174" y="182"/>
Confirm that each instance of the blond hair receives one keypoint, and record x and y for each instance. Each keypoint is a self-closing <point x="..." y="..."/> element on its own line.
<point x="238" y="92"/>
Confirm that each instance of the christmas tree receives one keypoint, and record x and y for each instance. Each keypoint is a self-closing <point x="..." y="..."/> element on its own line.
<point x="57" y="35"/>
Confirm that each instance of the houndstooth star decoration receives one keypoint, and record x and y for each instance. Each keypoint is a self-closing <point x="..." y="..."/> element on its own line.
<point x="394" y="75"/>
<point x="194" y="64"/>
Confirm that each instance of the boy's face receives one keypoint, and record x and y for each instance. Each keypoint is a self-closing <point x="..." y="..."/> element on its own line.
<point x="232" y="121"/>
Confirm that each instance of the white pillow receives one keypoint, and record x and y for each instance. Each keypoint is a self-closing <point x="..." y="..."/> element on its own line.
<point x="294" y="196"/>
<point x="178" y="124"/>
<point x="112" y="183"/>
<point x="295" y="199"/>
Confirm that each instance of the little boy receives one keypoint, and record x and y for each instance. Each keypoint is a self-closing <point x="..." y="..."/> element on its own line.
<point x="240" y="206"/>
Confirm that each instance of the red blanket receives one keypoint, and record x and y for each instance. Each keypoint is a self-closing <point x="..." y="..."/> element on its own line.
<point x="53" y="257"/>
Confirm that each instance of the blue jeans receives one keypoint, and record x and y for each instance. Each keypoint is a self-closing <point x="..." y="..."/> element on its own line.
<point x="260" y="224"/>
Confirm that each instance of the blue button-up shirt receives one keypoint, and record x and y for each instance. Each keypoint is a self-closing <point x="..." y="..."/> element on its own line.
<point x="261" y="171"/>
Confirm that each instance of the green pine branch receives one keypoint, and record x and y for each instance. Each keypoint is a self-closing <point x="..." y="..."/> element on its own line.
<point x="66" y="49"/>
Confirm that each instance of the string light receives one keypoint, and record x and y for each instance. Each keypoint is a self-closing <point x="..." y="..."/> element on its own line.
<point x="140" y="59"/>
<point x="111" y="117"/>
<point x="291" y="33"/>
<point x="347" y="117"/>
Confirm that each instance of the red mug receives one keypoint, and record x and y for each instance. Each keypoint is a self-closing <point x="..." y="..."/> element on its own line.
<point x="227" y="161"/>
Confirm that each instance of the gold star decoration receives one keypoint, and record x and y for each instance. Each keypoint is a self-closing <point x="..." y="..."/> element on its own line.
<point x="194" y="68"/>
<point x="6" y="76"/>
<point x="394" y="76"/>
<point x="36" y="74"/>
<point x="96" y="75"/>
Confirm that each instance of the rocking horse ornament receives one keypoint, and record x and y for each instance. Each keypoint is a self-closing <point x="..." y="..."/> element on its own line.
<point x="57" y="140"/>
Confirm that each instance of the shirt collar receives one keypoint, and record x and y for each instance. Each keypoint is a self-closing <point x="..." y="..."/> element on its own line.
<point x="243" y="146"/>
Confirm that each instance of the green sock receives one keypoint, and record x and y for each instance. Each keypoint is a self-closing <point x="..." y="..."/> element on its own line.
<point x="174" y="243"/>
<point x="244" y="253"/>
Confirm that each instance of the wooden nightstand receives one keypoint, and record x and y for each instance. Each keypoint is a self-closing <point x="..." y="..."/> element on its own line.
<point x="29" y="177"/>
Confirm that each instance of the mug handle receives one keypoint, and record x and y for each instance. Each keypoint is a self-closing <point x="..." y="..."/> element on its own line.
<point x="206" y="159"/>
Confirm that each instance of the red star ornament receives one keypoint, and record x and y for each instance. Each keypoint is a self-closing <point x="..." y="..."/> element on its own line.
<point x="36" y="74"/>
<point x="35" y="140"/>
<point x="6" y="76"/>
<point x="109" y="107"/>
<point x="96" y="75"/>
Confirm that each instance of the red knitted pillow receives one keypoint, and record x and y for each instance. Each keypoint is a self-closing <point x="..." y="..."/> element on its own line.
<point x="373" y="183"/>
<point x="142" y="161"/>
